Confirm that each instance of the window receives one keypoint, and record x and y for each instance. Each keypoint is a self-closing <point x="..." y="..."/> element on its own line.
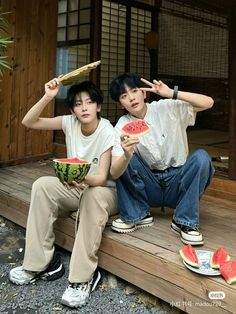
<point x="73" y="37"/>
<point x="73" y="20"/>
<point x="123" y="47"/>
<point x="73" y="46"/>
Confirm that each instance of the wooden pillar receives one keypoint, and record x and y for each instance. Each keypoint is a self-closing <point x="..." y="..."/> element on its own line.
<point x="95" y="46"/>
<point x="232" y="92"/>
<point x="152" y="43"/>
<point x="33" y="29"/>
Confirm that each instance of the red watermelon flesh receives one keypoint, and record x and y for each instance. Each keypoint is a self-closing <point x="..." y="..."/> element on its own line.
<point x="219" y="257"/>
<point x="136" y="128"/>
<point x="74" y="160"/>
<point x="228" y="271"/>
<point x="189" y="255"/>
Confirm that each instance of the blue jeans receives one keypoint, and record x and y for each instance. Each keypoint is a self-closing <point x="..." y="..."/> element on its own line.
<point x="180" y="188"/>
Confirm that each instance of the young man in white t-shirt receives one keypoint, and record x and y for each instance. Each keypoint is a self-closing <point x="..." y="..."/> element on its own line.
<point x="154" y="170"/>
<point x="88" y="137"/>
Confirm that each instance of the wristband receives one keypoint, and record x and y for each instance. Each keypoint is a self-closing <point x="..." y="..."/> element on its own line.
<point x="175" y="93"/>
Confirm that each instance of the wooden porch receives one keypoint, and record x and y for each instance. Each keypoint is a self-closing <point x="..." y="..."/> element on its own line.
<point x="147" y="258"/>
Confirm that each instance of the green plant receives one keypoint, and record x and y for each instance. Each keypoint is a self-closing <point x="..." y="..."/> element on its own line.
<point x="4" y="42"/>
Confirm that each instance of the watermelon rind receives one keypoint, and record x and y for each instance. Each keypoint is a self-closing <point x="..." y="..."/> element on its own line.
<point x="219" y="257"/>
<point x="189" y="255"/>
<point x="228" y="271"/>
<point x="71" y="169"/>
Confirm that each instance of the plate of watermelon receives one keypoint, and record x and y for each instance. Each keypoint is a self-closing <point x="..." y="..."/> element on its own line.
<point x="204" y="258"/>
<point x="210" y="263"/>
<point x="204" y="262"/>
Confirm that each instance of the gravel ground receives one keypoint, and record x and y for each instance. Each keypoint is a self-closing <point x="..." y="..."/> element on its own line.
<point x="113" y="295"/>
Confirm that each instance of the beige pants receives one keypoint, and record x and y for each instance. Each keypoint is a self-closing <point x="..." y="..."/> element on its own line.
<point x="50" y="200"/>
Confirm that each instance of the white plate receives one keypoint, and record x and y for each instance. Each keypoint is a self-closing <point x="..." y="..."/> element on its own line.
<point x="204" y="260"/>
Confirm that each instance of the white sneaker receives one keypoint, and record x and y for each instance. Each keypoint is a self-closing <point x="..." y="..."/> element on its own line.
<point x="54" y="271"/>
<point x="78" y="294"/>
<point x="119" y="225"/>
<point x="19" y="276"/>
<point x="188" y="235"/>
<point x="123" y="227"/>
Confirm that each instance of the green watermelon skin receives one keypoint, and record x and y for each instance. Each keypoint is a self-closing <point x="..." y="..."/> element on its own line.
<point x="228" y="271"/>
<point x="219" y="257"/>
<point x="189" y="255"/>
<point x="71" y="169"/>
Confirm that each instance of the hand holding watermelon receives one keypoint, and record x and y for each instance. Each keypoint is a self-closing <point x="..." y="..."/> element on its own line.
<point x="74" y="184"/>
<point x="129" y="137"/>
<point x="128" y="144"/>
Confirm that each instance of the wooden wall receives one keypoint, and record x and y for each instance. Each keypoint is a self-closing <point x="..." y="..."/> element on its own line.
<point x="33" y="26"/>
<point x="217" y="118"/>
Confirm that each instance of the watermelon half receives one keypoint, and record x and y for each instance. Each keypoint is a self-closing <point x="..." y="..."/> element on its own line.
<point x="228" y="271"/>
<point x="136" y="128"/>
<point x="219" y="257"/>
<point x="71" y="169"/>
<point x="189" y="255"/>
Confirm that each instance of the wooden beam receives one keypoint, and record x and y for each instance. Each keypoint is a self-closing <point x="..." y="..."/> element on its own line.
<point x="219" y="6"/>
<point x="232" y="92"/>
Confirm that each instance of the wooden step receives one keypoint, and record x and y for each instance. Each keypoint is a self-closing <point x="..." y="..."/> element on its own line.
<point x="222" y="188"/>
<point x="148" y="258"/>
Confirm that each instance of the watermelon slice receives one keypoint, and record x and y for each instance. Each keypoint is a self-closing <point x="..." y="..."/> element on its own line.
<point x="189" y="255"/>
<point x="136" y="128"/>
<point x="228" y="271"/>
<point x="71" y="169"/>
<point x="219" y="257"/>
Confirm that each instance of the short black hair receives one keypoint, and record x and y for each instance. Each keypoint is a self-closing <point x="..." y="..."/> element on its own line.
<point x="119" y="83"/>
<point x="86" y="86"/>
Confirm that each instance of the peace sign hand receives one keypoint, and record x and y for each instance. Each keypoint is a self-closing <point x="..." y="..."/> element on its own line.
<point x="157" y="87"/>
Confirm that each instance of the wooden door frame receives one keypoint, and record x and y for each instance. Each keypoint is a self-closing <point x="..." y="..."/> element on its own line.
<point x="232" y="92"/>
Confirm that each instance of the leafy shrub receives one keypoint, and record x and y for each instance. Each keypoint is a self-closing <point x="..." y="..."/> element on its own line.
<point x="4" y="42"/>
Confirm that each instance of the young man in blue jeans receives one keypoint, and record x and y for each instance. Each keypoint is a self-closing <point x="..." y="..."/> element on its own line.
<point x="155" y="170"/>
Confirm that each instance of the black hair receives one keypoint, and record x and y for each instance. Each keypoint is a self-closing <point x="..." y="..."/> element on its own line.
<point x="89" y="87"/>
<point x="119" y="83"/>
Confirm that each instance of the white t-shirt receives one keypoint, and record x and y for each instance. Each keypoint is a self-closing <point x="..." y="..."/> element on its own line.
<point x="91" y="147"/>
<point x="166" y="144"/>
